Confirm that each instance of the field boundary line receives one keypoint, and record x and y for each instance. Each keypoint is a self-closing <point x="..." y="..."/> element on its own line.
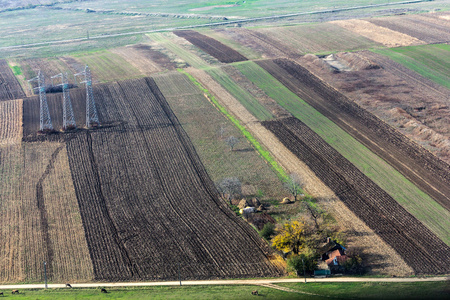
<point x="263" y="153"/>
<point x="225" y="282"/>
<point x="210" y="24"/>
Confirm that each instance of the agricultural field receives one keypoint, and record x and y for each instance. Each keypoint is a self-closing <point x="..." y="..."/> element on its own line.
<point x="355" y="102"/>
<point x="369" y="202"/>
<point x="10" y="88"/>
<point x="412" y="104"/>
<point x="430" y="61"/>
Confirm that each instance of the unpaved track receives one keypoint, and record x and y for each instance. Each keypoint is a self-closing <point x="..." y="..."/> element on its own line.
<point x="386" y="260"/>
<point x="264" y="282"/>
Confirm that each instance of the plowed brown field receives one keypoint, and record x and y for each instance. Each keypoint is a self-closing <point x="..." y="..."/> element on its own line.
<point x="418" y="165"/>
<point x="148" y="207"/>
<point x="414" y="105"/>
<point x="410" y="238"/>
<point x="10" y="88"/>
<point x="211" y="46"/>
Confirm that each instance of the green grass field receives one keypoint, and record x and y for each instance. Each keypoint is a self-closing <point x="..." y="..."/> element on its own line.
<point x="421" y="290"/>
<point x="407" y="194"/>
<point x="430" y="61"/>
<point x="202" y="121"/>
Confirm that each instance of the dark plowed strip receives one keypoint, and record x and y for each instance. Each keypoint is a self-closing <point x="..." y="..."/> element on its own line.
<point x="419" y="247"/>
<point x="148" y="207"/>
<point x="421" y="167"/>
<point x="10" y="88"/>
<point x="211" y="46"/>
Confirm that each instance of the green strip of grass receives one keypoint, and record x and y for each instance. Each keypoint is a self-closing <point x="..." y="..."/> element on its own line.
<point x="402" y="190"/>
<point x="430" y="61"/>
<point x="244" y="97"/>
<point x="376" y="290"/>
<point x="264" y="153"/>
<point x="16" y="70"/>
<point x="347" y="290"/>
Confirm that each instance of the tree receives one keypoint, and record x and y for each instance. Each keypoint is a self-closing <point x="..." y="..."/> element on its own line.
<point x="230" y="187"/>
<point x="293" y="185"/>
<point x="354" y="262"/>
<point x="290" y="237"/>
<point x="305" y="262"/>
<point x="267" y="231"/>
<point x="232" y="141"/>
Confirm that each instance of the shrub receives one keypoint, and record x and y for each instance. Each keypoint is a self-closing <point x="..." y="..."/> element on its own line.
<point x="267" y="231"/>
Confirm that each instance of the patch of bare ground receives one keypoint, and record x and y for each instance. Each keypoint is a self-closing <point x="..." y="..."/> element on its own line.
<point x="40" y="218"/>
<point x="379" y="34"/>
<point x="415" y="106"/>
<point x="10" y="122"/>
<point x="145" y="58"/>
<point x="260" y="43"/>
<point x="382" y="258"/>
<point x="415" y="26"/>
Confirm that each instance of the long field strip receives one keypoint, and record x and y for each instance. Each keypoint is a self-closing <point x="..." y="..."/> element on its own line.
<point x="420" y="28"/>
<point x="107" y="66"/>
<point x="317" y="38"/>
<point x="148" y="206"/>
<point x="10" y="88"/>
<point x="415" y="201"/>
<point x="430" y="61"/>
<point x="418" y="165"/>
<point x="370" y="203"/>
<point x="11" y="122"/>
<point x="203" y="123"/>
<point x="40" y="216"/>
<point x="211" y="46"/>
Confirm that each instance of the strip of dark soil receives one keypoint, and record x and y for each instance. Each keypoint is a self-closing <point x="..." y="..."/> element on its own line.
<point x="420" y="248"/>
<point x="10" y="88"/>
<point x="149" y="209"/>
<point x="421" y="167"/>
<point x="211" y="46"/>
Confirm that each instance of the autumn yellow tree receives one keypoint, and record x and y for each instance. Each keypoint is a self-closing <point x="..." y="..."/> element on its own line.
<point x="290" y="237"/>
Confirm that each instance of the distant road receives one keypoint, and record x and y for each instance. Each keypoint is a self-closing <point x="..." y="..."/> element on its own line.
<point x="223" y="282"/>
<point x="210" y="24"/>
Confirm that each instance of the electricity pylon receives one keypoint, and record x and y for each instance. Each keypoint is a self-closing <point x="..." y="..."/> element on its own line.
<point x="68" y="116"/>
<point x="91" y="111"/>
<point x="45" y="122"/>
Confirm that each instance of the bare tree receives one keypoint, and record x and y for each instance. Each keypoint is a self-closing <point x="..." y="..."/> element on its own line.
<point x="230" y="187"/>
<point x="232" y="141"/>
<point x="222" y="131"/>
<point x="293" y="185"/>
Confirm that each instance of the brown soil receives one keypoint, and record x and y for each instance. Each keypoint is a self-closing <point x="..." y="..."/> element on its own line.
<point x="145" y="58"/>
<point x="382" y="35"/>
<point x="421" y="28"/>
<point x="381" y="257"/>
<point x="211" y="46"/>
<point x="10" y="122"/>
<point x="370" y="203"/>
<point x="10" y="88"/>
<point x="415" y="106"/>
<point x="415" y="163"/>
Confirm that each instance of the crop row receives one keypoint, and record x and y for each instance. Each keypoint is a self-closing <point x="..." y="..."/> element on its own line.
<point x="10" y="88"/>
<point x="211" y="46"/>
<point x="148" y="206"/>
<point x="420" y="248"/>
<point x="415" y="163"/>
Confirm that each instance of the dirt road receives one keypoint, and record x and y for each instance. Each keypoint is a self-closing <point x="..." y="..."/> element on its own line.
<point x="224" y="282"/>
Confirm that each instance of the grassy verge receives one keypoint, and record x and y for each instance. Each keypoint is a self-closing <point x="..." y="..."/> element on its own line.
<point x="375" y="290"/>
<point x="430" y="61"/>
<point x="157" y="292"/>
<point x="407" y="194"/>
<point x="347" y="290"/>
<point x="264" y="153"/>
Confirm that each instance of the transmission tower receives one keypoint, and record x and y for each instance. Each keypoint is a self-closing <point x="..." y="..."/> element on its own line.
<point x="68" y="116"/>
<point x="91" y="111"/>
<point x="45" y="122"/>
